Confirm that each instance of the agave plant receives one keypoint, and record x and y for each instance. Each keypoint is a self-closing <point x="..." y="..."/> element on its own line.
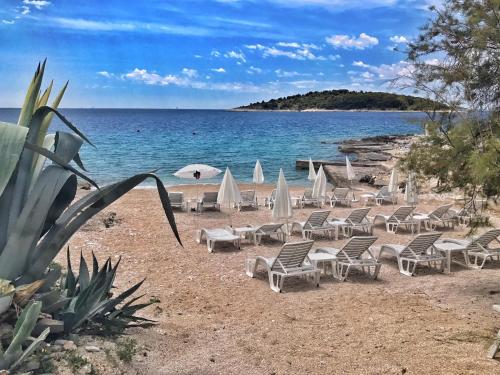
<point x="14" y="355"/>
<point x="38" y="184"/>
<point x="90" y="304"/>
<point x="7" y="291"/>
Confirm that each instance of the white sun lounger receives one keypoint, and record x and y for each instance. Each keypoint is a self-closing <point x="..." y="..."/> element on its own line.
<point x="248" y="199"/>
<point x="356" y="219"/>
<point x="401" y="217"/>
<point x="440" y="216"/>
<point x="419" y="250"/>
<point x="381" y="196"/>
<point x="269" y="202"/>
<point x="213" y="236"/>
<point x="209" y="200"/>
<point x="351" y="256"/>
<point x="308" y="199"/>
<point x="341" y="196"/>
<point x="288" y="263"/>
<point x="270" y="230"/>
<point x="176" y="199"/>
<point x="314" y="224"/>
<point x="478" y="249"/>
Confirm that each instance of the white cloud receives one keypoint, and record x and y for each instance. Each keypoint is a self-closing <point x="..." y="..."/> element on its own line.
<point x="198" y="56"/>
<point x="303" y="52"/>
<point x="153" y="78"/>
<point x="215" y="53"/>
<point x="254" y="70"/>
<point x="8" y="22"/>
<point x="398" y="39"/>
<point x="105" y="74"/>
<point x="235" y="55"/>
<point x="38" y="4"/>
<point x="289" y="44"/>
<point x="285" y="74"/>
<point x="218" y="70"/>
<point x="360" y="64"/>
<point x="349" y="42"/>
<point x="25" y="10"/>
<point x="191" y="73"/>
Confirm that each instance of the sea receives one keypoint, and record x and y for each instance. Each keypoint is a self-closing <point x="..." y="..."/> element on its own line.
<point x="130" y="141"/>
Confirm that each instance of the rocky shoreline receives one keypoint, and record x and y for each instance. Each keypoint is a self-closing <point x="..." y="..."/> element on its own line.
<point x="372" y="158"/>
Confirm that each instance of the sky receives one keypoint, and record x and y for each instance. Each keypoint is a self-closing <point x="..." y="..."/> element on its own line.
<point x="203" y="53"/>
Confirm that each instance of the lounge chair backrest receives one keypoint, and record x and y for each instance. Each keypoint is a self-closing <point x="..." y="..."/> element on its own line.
<point x="485" y="239"/>
<point x="401" y="213"/>
<point x="273" y="195"/>
<point x="341" y="193"/>
<point x="210" y="197"/>
<point x="247" y="195"/>
<point x="175" y="197"/>
<point x="291" y="256"/>
<point x="269" y="228"/>
<point x="317" y="219"/>
<point x="420" y="244"/>
<point x="441" y="211"/>
<point x="355" y="247"/>
<point x="383" y="192"/>
<point x="308" y="194"/>
<point x="357" y="216"/>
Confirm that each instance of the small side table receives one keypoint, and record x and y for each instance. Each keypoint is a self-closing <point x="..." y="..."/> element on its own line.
<point x="422" y="219"/>
<point x="246" y="233"/>
<point x="323" y="258"/>
<point x="450" y="247"/>
<point x="297" y="202"/>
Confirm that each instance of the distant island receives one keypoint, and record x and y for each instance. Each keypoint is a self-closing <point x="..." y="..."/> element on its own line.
<point x="345" y="100"/>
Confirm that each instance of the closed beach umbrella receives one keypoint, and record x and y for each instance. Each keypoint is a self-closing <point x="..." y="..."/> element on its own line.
<point x="393" y="181"/>
<point x="349" y="169"/>
<point x="258" y="175"/>
<point x="229" y="193"/>
<point x="197" y="171"/>
<point x="411" y="196"/>
<point x="312" y="172"/>
<point x="319" y="187"/>
<point x="282" y="208"/>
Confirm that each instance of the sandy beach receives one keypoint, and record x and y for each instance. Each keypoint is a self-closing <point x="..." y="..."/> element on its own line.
<point x="213" y="319"/>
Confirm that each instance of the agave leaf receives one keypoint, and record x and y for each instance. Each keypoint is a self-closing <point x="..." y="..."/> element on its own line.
<point x="31" y="96"/>
<point x="45" y="97"/>
<point x="26" y="232"/>
<point x="95" y="266"/>
<point x="48" y="143"/>
<point x="56" y="159"/>
<point x="48" y="117"/>
<point x="25" y="292"/>
<point x="81" y="211"/>
<point x="30" y="349"/>
<point x="51" y="277"/>
<point x="13" y="138"/>
<point x="83" y="274"/>
<point x="25" y="171"/>
<point x="70" y="283"/>
<point x="61" y="202"/>
<point x="42" y="133"/>
<point x="24" y="326"/>
<point x="79" y="162"/>
<point x="67" y="146"/>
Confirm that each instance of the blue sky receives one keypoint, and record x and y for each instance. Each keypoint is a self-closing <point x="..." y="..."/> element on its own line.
<point x="202" y="53"/>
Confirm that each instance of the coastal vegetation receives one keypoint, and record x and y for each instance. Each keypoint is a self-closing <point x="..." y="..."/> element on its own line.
<point x="347" y="100"/>
<point x="38" y="185"/>
<point x="457" y="62"/>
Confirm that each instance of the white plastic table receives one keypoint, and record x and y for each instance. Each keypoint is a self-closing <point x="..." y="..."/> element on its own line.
<point x="322" y="258"/>
<point x="246" y="233"/>
<point x="448" y="248"/>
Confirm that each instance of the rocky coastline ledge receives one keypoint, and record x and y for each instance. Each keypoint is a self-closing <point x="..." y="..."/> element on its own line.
<point x="372" y="158"/>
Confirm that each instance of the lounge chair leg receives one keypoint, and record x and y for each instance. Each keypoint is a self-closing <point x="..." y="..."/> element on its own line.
<point x="250" y="267"/>
<point x="376" y="271"/>
<point x="275" y="286"/>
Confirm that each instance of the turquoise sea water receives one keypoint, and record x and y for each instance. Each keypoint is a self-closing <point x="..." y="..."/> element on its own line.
<point x="135" y="140"/>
